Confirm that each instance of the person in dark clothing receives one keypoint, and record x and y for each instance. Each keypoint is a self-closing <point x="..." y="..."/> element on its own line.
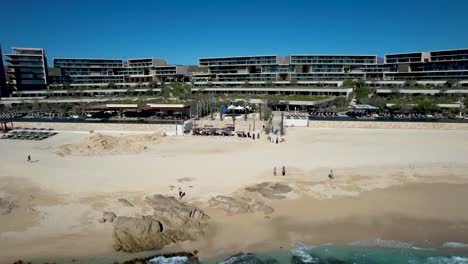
<point x="258" y="135"/>
<point x="283" y="171"/>
<point x="276" y="140"/>
<point x="181" y="193"/>
<point x="253" y="136"/>
<point x="29" y="158"/>
<point x="330" y="175"/>
<point x="248" y="134"/>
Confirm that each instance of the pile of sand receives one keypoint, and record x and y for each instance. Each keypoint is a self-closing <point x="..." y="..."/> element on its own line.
<point x="104" y="144"/>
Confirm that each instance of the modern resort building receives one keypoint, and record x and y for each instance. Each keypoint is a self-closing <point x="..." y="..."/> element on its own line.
<point x="27" y="70"/>
<point x="3" y="85"/>
<point x="329" y="69"/>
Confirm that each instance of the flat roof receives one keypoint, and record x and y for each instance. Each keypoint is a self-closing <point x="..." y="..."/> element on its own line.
<point x="358" y="55"/>
<point x="13" y="48"/>
<point x="402" y="53"/>
<point x="86" y="59"/>
<point x="247" y="56"/>
<point x="146" y="59"/>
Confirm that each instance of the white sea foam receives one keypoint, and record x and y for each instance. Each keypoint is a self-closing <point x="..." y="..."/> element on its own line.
<point x="455" y="245"/>
<point x="171" y="260"/>
<point x="302" y="253"/>
<point x="447" y="260"/>
<point x="381" y="243"/>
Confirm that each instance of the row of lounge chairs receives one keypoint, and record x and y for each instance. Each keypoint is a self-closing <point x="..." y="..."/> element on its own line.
<point x="34" y="128"/>
<point x="323" y="114"/>
<point x="406" y="115"/>
<point x="211" y="131"/>
<point x="42" y="115"/>
<point x="8" y="115"/>
<point x="296" y="117"/>
<point x="28" y="135"/>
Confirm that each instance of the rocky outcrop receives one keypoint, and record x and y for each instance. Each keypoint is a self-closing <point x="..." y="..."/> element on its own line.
<point x="172" y="221"/>
<point x="249" y="258"/>
<point x="270" y="190"/>
<point x="133" y="234"/>
<point x="234" y="206"/>
<point x="7" y="206"/>
<point x="175" y="258"/>
<point x="125" y="202"/>
<point x="108" y="217"/>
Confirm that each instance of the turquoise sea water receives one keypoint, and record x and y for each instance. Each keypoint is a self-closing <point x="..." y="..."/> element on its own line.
<point x="361" y="252"/>
<point x="366" y="252"/>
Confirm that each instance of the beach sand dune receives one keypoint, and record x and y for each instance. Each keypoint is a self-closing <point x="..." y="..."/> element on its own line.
<point x="100" y="144"/>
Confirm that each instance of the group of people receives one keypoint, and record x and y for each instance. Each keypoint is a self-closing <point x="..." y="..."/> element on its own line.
<point x="283" y="171"/>
<point x="249" y="135"/>
<point x="276" y="139"/>
<point x="331" y="175"/>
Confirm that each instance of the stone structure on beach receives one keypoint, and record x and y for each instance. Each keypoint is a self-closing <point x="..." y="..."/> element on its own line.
<point x="171" y="222"/>
<point x="270" y="190"/>
<point x="6" y="206"/>
<point x="236" y="206"/>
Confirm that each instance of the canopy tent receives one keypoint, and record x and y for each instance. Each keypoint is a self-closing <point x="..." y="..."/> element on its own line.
<point x="364" y="107"/>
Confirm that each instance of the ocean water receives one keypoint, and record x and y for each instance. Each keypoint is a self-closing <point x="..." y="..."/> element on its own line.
<point x="361" y="252"/>
<point x="364" y="252"/>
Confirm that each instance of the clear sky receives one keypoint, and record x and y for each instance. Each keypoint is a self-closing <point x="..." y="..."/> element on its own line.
<point x="182" y="31"/>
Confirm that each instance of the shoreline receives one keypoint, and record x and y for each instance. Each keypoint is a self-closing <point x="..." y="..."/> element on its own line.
<point x="228" y="235"/>
<point x="391" y="184"/>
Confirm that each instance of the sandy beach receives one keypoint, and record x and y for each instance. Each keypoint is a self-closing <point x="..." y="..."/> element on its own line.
<point x="396" y="184"/>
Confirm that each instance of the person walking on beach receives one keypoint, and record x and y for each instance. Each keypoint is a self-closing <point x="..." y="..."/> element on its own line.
<point x="330" y="175"/>
<point x="275" y="171"/>
<point x="258" y="135"/>
<point x="283" y="171"/>
<point x="181" y="193"/>
<point x="29" y="158"/>
<point x="276" y="139"/>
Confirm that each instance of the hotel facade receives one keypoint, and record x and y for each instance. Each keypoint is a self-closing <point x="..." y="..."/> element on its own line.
<point x="27" y="69"/>
<point x="314" y="68"/>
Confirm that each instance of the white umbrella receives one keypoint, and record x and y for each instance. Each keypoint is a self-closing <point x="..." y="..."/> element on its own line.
<point x="239" y="108"/>
<point x="231" y="107"/>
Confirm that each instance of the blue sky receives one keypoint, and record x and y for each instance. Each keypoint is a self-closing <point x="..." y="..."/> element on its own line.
<point x="182" y="31"/>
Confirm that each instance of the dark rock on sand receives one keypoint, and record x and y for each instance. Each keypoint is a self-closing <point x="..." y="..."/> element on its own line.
<point x="229" y="204"/>
<point x="190" y="258"/>
<point x="298" y="260"/>
<point x="136" y="234"/>
<point x="249" y="258"/>
<point x="108" y="217"/>
<point x="125" y="202"/>
<point x="234" y="206"/>
<point x="171" y="222"/>
<point x="7" y="206"/>
<point x="270" y="190"/>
